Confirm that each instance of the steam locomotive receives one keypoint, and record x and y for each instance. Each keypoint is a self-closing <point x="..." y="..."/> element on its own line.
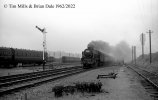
<point x="94" y="58"/>
<point x="13" y="56"/>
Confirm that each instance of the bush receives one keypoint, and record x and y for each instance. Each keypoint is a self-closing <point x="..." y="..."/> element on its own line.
<point x="58" y="91"/>
<point x="89" y="87"/>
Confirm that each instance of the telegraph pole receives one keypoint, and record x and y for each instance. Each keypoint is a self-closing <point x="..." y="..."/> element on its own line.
<point x="142" y="40"/>
<point x="44" y="44"/>
<point x="150" y="44"/>
<point x="60" y="57"/>
<point x="135" y="54"/>
<point x="132" y="54"/>
<point x="142" y="46"/>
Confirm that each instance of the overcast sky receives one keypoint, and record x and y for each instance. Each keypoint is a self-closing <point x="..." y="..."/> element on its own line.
<point x="71" y="29"/>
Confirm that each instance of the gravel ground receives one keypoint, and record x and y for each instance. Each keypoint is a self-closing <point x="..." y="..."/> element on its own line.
<point x="126" y="86"/>
<point x="14" y="71"/>
<point x="21" y="70"/>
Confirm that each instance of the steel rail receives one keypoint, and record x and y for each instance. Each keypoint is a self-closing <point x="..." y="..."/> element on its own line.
<point x="32" y="83"/>
<point x="35" y="82"/>
<point x="7" y="78"/>
<point x="35" y="77"/>
<point x="150" y="78"/>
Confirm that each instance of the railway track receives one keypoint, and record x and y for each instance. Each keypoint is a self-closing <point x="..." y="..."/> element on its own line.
<point x="50" y="66"/>
<point x="150" y="83"/>
<point x="13" y="83"/>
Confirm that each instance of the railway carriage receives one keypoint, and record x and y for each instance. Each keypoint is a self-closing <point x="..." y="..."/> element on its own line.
<point x="6" y="55"/>
<point x="11" y="56"/>
<point x="28" y="56"/>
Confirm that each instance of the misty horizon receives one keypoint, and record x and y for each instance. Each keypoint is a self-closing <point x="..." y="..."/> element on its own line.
<point x="71" y="30"/>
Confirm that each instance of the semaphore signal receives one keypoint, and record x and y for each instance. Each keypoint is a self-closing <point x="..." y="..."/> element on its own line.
<point x="44" y="44"/>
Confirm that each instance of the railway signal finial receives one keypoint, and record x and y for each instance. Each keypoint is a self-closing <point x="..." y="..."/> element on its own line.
<point x="42" y="30"/>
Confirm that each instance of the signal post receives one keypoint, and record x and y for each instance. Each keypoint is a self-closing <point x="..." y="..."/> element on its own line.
<point x="44" y="44"/>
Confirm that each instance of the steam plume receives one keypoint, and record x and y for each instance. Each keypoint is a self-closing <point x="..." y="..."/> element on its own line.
<point x="120" y="52"/>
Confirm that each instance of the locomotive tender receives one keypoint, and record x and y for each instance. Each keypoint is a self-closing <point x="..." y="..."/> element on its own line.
<point x="94" y="58"/>
<point x="14" y="56"/>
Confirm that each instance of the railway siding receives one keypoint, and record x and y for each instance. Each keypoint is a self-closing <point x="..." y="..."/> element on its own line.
<point x="34" y="69"/>
<point x="16" y="82"/>
<point x="151" y="84"/>
<point x="126" y="86"/>
<point x="149" y="76"/>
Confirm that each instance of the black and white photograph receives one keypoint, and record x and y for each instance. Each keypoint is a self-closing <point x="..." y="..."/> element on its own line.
<point x="78" y="50"/>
